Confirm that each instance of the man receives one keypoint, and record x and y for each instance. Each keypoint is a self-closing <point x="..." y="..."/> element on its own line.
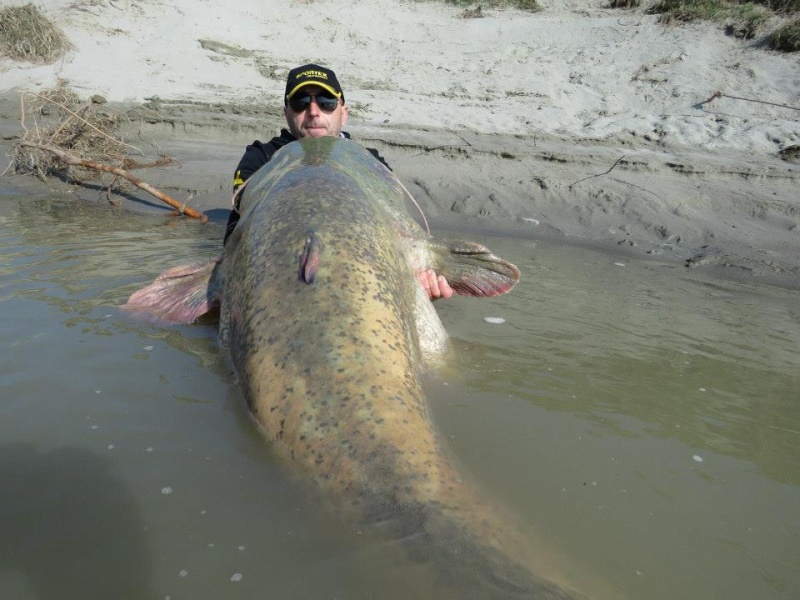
<point x="314" y="107"/>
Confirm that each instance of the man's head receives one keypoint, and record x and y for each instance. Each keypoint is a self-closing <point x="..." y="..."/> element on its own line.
<point x="314" y="102"/>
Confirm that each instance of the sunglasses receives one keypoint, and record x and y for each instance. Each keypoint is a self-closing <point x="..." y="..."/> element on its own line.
<point x="326" y="102"/>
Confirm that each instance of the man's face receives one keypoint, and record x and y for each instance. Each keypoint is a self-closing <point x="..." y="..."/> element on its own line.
<point x="314" y="122"/>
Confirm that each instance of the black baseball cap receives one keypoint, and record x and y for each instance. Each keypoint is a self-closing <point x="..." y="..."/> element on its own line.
<point x="312" y="74"/>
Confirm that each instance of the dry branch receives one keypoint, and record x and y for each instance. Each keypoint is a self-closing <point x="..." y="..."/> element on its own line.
<point x="598" y="174"/>
<point x="81" y="130"/>
<point x="68" y="159"/>
<point x="61" y="105"/>
<point x="85" y="143"/>
<point x="719" y="94"/>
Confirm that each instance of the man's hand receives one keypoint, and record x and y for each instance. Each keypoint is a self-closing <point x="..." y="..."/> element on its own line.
<point x="435" y="286"/>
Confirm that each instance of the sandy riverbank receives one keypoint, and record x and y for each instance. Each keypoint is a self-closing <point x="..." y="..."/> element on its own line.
<point x="580" y="122"/>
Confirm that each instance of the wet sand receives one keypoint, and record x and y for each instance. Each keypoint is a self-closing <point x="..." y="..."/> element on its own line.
<point x="585" y="124"/>
<point x="736" y="215"/>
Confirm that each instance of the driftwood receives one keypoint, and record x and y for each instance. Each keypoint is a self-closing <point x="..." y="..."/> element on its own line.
<point x="84" y="138"/>
<point x="68" y="159"/>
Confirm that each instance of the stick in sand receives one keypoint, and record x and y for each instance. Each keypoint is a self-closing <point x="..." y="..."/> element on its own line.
<point x="67" y="158"/>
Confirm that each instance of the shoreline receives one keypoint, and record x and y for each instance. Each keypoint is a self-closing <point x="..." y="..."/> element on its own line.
<point x="583" y="124"/>
<point x="730" y="213"/>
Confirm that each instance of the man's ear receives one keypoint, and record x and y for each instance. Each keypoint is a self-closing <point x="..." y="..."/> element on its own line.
<point x="345" y="112"/>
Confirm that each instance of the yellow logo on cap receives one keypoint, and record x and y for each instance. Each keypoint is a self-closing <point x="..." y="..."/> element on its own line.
<point x="317" y="74"/>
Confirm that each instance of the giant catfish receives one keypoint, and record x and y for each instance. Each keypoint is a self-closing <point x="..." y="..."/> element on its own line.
<point x="329" y="330"/>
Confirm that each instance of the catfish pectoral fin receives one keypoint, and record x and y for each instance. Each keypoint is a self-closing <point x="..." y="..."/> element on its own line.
<point x="309" y="259"/>
<point x="472" y="270"/>
<point x="178" y="295"/>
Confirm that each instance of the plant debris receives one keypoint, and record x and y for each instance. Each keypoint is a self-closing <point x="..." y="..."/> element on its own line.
<point x="27" y="34"/>
<point x="82" y="142"/>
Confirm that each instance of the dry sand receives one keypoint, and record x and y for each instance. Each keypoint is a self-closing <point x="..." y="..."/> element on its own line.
<point x="579" y="122"/>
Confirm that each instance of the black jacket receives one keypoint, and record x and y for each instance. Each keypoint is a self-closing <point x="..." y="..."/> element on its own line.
<point x="256" y="155"/>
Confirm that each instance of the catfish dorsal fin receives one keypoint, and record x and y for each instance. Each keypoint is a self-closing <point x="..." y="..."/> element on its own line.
<point x="309" y="258"/>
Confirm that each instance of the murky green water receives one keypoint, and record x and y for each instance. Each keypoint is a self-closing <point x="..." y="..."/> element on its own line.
<point x="643" y="420"/>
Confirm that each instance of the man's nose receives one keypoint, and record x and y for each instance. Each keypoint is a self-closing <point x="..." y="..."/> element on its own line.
<point x="313" y="107"/>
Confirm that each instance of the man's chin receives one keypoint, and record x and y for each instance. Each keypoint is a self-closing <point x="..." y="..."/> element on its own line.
<point x="316" y="133"/>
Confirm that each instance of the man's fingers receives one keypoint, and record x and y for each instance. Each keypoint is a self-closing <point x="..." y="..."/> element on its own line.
<point x="445" y="291"/>
<point x="428" y="281"/>
<point x="435" y="286"/>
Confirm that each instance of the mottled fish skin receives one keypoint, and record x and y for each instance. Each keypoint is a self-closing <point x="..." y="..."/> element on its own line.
<point x="331" y="369"/>
<point x="329" y="332"/>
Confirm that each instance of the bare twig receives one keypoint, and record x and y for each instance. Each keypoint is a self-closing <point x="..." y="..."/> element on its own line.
<point x="719" y="94"/>
<point x="84" y="121"/>
<point x="22" y="112"/>
<point x="67" y="158"/>
<point x="599" y="174"/>
<point x="64" y="124"/>
<point x="108" y="195"/>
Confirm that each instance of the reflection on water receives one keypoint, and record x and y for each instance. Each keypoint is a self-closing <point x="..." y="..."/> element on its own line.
<point x="644" y="421"/>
